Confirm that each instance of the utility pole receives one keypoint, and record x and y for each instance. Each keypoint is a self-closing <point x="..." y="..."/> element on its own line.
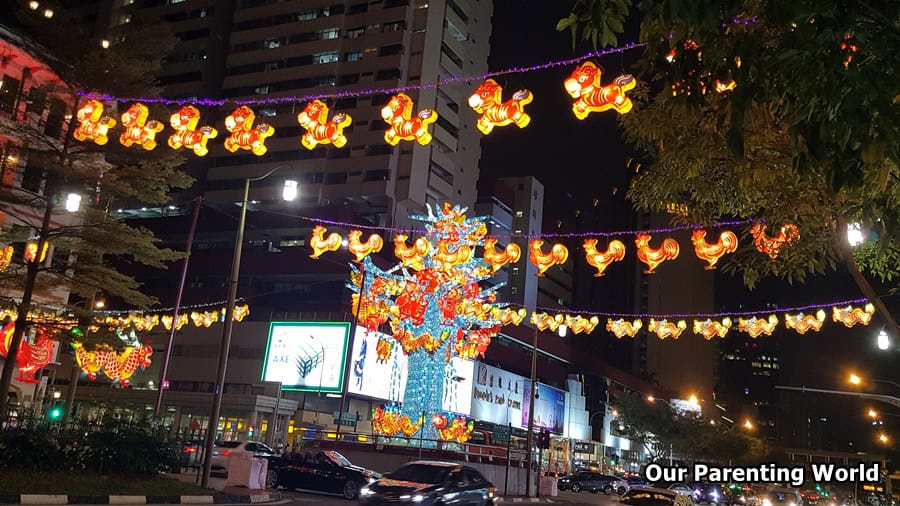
<point x="530" y="440"/>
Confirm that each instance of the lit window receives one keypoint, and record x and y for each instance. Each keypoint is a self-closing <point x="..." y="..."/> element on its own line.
<point x="354" y="56"/>
<point x="327" y="57"/>
<point x="514" y="290"/>
<point x="331" y="33"/>
<point x="518" y="214"/>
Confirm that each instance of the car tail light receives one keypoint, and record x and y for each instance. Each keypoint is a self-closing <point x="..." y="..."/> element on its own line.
<point x="190" y="450"/>
<point x="226" y="453"/>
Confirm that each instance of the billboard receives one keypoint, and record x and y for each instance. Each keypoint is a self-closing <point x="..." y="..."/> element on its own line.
<point x="497" y="396"/>
<point x="372" y="378"/>
<point x="387" y="380"/>
<point x="307" y="356"/>
<point x="550" y="411"/>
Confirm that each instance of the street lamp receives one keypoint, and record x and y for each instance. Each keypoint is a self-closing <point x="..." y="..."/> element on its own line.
<point x="856" y="380"/>
<point x="873" y="414"/>
<point x="213" y="425"/>
<point x="748" y="424"/>
<point x="883" y="438"/>
<point x="883" y="340"/>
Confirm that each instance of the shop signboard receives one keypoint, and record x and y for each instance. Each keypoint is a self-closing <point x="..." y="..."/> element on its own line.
<point x="584" y="447"/>
<point x="497" y="396"/>
<point x="307" y="356"/>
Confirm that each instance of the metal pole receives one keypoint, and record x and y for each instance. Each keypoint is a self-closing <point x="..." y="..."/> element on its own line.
<point x="530" y="443"/>
<point x="421" y="435"/>
<point x="537" y="488"/>
<point x="893" y="401"/>
<point x="349" y="350"/>
<point x="212" y="427"/>
<point x="272" y="436"/>
<point x="184" y="269"/>
<point x="508" y="450"/>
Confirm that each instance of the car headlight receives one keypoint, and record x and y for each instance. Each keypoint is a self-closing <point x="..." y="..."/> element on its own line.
<point x="366" y="491"/>
<point x="714" y="495"/>
<point x="767" y="502"/>
<point x="792" y="504"/>
<point x="418" y="498"/>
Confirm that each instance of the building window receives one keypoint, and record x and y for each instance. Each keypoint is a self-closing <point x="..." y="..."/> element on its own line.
<point x="358" y="8"/>
<point x="459" y="12"/>
<point x="394" y="26"/>
<point x="354" y="56"/>
<point x="514" y="290"/>
<point x="449" y="102"/>
<point x="451" y="54"/>
<point x="446" y="125"/>
<point x="442" y="173"/>
<point x="518" y="214"/>
<point x="327" y="57"/>
<point x="454" y="32"/>
<point x="330" y="33"/>
<point x="355" y="33"/>
<point x="515" y="271"/>
<point x="272" y="43"/>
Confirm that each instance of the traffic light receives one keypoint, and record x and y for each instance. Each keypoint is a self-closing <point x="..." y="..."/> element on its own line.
<point x="545" y="440"/>
<point x="55" y="414"/>
<point x="614" y="460"/>
<point x="249" y="431"/>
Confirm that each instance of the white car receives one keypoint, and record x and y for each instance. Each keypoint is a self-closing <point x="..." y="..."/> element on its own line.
<point x="224" y="449"/>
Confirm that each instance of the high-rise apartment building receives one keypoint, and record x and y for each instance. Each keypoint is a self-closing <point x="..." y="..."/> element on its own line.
<point x="279" y="49"/>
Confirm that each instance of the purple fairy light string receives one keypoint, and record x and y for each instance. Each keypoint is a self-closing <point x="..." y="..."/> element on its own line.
<point x="351" y="94"/>
<point x="840" y="303"/>
<point x="344" y="224"/>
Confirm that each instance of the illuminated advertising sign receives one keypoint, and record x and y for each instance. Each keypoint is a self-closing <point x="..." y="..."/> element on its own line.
<point x="386" y="380"/>
<point x="550" y="413"/>
<point x="497" y="396"/>
<point x="307" y="356"/>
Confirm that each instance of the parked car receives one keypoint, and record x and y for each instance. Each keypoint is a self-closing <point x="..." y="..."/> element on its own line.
<point x="429" y="483"/>
<point x="650" y="496"/>
<point x="635" y="480"/>
<point x="326" y="472"/>
<point x="592" y="482"/>
<point x="782" y="497"/>
<point x="682" y="488"/>
<point x="224" y="449"/>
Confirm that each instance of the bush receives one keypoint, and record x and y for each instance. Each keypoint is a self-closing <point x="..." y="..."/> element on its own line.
<point x="111" y="447"/>
<point x="31" y="448"/>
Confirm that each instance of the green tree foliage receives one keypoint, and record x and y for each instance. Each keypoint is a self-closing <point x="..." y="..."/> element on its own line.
<point x="107" y="177"/>
<point x="806" y="135"/>
<point x="662" y="430"/>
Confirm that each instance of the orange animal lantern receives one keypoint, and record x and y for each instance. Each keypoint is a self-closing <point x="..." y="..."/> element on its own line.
<point x="363" y="249"/>
<point x="450" y="259"/>
<point x="488" y="102"/>
<point x="772" y="245"/>
<point x="558" y="255"/>
<point x="187" y="134"/>
<point x="728" y="243"/>
<point x="756" y="326"/>
<point x="32" y="357"/>
<point x="137" y="130"/>
<point x="403" y="126"/>
<point x="320" y="244"/>
<point x="802" y="322"/>
<point x="621" y="328"/>
<point x="543" y="321"/>
<point x="118" y="367"/>
<point x="92" y="124"/>
<point x="508" y="316"/>
<point x="668" y="250"/>
<point x="615" y="252"/>
<point x="665" y="328"/>
<point x="584" y="86"/>
<point x="850" y="316"/>
<point x="710" y="328"/>
<point x="579" y="324"/>
<point x="244" y="135"/>
<point x="411" y="256"/>
<point x="31" y="250"/>
<point x="6" y="255"/>
<point x="321" y="130"/>
<point x="498" y="259"/>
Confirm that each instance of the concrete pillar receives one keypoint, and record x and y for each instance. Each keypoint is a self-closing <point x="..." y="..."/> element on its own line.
<point x="273" y="425"/>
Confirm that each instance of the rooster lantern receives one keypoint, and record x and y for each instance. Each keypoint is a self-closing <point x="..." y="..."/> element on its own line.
<point x="668" y="250"/>
<point x="558" y="255"/>
<point x="31" y="356"/>
<point x="728" y="243"/>
<point x="615" y="252"/>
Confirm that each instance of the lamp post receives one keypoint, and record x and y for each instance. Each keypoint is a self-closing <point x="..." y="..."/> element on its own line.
<point x="530" y="434"/>
<point x="856" y="380"/>
<point x="290" y="192"/>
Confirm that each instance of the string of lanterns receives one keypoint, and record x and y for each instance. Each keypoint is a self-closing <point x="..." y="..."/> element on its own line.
<point x="140" y="321"/>
<point x="558" y="253"/>
<point x="709" y="327"/>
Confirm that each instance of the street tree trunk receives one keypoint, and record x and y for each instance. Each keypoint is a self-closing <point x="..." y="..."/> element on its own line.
<point x="32" y="268"/>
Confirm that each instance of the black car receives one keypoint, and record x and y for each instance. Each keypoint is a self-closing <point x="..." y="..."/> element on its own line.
<point x="710" y="493"/>
<point x="593" y="482"/>
<point x="428" y="483"/>
<point x="326" y="472"/>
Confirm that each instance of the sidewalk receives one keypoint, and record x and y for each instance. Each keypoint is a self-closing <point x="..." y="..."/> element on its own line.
<point x="219" y="494"/>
